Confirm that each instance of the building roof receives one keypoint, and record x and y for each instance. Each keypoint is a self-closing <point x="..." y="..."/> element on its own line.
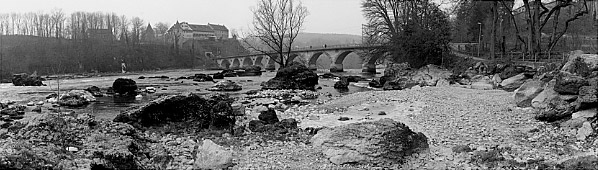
<point x="202" y="28"/>
<point x="218" y="27"/>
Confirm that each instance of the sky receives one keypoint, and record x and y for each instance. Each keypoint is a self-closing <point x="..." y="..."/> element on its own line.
<point x="326" y="16"/>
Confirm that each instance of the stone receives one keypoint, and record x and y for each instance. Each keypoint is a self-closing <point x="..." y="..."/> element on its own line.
<point x="588" y="113"/>
<point x="125" y="86"/>
<point x="399" y="84"/>
<point x="30" y="104"/>
<point x="72" y="149"/>
<point x="557" y="109"/>
<point x="343" y="83"/>
<point x="417" y="87"/>
<point x="212" y="156"/>
<point x="269" y="116"/>
<point x="24" y="79"/>
<point x="548" y="94"/>
<point x="202" y="78"/>
<point x="40" y="103"/>
<point x="379" y="142"/>
<point x="375" y="83"/>
<point x="585" y="131"/>
<point x="511" y="70"/>
<point x="150" y="89"/>
<point x="569" y="84"/>
<point x="527" y="92"/>
<point x="589" y="60"/>
<point x="344" y="118"/>
<point x="442" y="83"/>
<point x="294" y="76"/>
<point x="461" y="148"/>
<point x="573" y="123"/>
<point x="95" y="91"/>
<point x="205" y="110"/>
<point x="296" y="99"/>
<point x="589" y="162"/>
<point x="514" y="82"/>
<point x="218" y="76"/>
<point x="37" y="109"/>
<point x="382" y="113"/>
<point x="225" y="85"/>
<point x="76" y="98"/>
<point x="482" y="86"/>
<point x="588" y="94"/>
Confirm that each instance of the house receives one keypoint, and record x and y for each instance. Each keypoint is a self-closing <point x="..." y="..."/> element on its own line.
<point x="185" y="31"/>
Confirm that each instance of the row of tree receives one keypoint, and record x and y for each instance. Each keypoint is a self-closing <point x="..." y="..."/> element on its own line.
<point x="529" y="26"/>
<point x="76" y="25"/>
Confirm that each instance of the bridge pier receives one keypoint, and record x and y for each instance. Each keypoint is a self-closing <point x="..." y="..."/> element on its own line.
<point x="336" y="67"/>
<point x="368" y="68"/>
<point x="241" y="62"/>
<point x="253" y="59"/>
<point x="219" y="63"/>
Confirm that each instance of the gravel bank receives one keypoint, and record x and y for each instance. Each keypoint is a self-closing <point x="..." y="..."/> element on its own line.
<point x="484" y="120"/>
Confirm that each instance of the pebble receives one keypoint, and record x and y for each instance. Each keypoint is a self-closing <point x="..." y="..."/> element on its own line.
<point x="72" y="149"/>
<point x="40" y="103"/>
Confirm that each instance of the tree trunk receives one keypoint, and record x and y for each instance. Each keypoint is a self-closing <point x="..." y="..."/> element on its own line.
<point x="493" y="30"/>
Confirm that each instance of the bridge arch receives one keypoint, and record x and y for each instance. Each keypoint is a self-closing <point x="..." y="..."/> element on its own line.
<point x="236" y="64"/>
<point x="247" y="62"/>
<point x="337" y="63"/>
<point x="313" y="59"/>
<point x="259" y="61"/>
<point x="225" y="64"/>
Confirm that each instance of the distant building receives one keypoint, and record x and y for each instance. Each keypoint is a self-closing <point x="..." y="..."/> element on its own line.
<point x="185" y="31"/>
<point x="100" y="34"/>
<point x="149" y="36"/>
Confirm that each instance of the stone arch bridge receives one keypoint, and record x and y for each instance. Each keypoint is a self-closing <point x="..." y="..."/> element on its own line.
<point x="308" y="55"/>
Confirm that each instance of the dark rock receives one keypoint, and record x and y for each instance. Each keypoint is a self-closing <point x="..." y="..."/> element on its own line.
<point x="380" y="142"/>
<point x="202" y="78"/>
<point x="484" y="157"/>
<point x="569" y="84"/>
<point x="461" y="148"/>
<point x="381" y="113"/>
<point x="344" y="118"/>
<point x="343" y="83"/>
<point x="511" y="70"/>
<point x="557" y="109"/>
<point x="159" y="77"/>
<point x="218" y="76"/>
<point x="354" y="79"/>
<point x="37" y="109"/>
<point x="399" y="84"/>
<point x="125" y="86"/>
<point x="5" y="125"/>
<point x="319" y="87"/>
<point x="375" y="84"/>
<point x="76" y="98"/>
<point x="141" y="77"/>
<point x="95" y="91"/>
<point x="385" y="79"/>
<point x="53" y="95"/>
<point x="288" y="123"/>
<point x="251" y="71"/>
<point x="26" y="80"/>
<point x="229" y="73"/>
<point x="295" y="76"/>
<point x="257" y="126"/>
<point x="328" y="75"/>
<point x="588" y="94"/>
<point x="225" y="85"/>
<point x="214" y="110"/>
<point x="269" y="116"/>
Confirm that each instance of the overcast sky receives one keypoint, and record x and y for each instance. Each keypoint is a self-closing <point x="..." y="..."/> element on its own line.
<point x="326" y="16"/>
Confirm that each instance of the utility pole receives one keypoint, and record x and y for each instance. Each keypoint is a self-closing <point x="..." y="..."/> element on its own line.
<point x="1" y="45"/>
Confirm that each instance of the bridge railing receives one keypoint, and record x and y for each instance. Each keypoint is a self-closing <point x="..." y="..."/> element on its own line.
<point x="317" y="48"/>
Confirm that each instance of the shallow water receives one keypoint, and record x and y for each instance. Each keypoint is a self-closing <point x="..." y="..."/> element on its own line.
<point x="108" y="107"/>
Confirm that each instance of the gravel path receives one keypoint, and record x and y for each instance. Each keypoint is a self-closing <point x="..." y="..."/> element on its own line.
<point x="451" y="116"/>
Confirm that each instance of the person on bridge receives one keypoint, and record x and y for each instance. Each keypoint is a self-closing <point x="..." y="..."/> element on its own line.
<point x="324" y="45"/>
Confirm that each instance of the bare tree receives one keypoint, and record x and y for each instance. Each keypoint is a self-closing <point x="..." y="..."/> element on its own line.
<point x="276" y="23"/>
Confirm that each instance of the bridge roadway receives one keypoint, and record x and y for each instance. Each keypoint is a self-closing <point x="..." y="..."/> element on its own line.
<point x="308" y="55"/>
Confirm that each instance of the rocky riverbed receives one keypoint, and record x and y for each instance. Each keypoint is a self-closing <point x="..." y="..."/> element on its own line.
<point x="450" y="127"/>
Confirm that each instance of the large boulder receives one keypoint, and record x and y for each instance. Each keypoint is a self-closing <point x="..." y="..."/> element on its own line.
<point x="482" y="85"/>
<point x="202" y="78"/>
<point x="212" y="156"/>
<point x="557" y="109"/>
<point x="399" y="84"/>
<point x="268" y="116"/>
<point x="569" y="84"/>
<point x="76" y="98"/>
<point x="374" y="143"/>
<point x="514" y="82"/>
<point x="548" y="94"/>
<point x="251" y="71"/>
<point x="527" y="92"/>
<point x="576" y="58"/>
<point x="225" y="85"/>
<point x="430" y="74"/>
<point x="295" y="76"/>
<point x="26" y="80"/>
<point x="125" y="86"/>
<point x="215" y="110"/>
<point x="343" y="83"/>
<point x="95" y="91"/>
<point x="375" y="83"/>
<point x="218" y="76"/>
